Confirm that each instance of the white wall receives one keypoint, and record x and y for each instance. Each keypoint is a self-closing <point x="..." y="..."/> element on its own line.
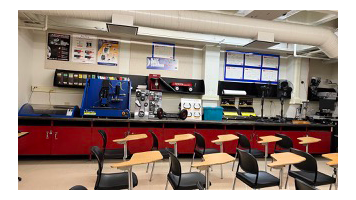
<point x="25" y="44"/>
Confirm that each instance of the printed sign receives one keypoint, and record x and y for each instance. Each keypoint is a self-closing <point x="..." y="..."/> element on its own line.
<point x="108" y="52"/>
<point x="162" y="63"/>
<point x="58" y="46"/>
<point x="84" y="50"/>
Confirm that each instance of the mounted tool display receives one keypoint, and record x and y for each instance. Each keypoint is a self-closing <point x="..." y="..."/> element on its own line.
<point x="141" y="103"/>
<point x="106" y="98"/>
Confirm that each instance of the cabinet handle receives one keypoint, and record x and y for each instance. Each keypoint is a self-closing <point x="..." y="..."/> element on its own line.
<point x="55" y="135"/>
<point x="47" y="135"/>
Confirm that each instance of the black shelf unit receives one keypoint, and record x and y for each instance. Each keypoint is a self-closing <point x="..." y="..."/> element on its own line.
<point x="198" y="85"/>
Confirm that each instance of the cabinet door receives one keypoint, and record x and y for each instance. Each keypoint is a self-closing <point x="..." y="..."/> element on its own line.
<point x="142" y="145"/>
<point x="210" y="135"/>
<point x="37" y="142"/>
<point x="112" y="133"/>
<point x="184" y="147"/>
<point x="71" y="140"/>
<point x="294" y="135"/>
<point x="324" y="145"/>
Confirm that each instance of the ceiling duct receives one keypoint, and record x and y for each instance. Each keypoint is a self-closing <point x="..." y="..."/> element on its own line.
<point x="122" y="24"/>
<point x="219" y="24"/>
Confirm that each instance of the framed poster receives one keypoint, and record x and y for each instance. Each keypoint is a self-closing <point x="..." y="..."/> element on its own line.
<point x="270" y="62"/>
<point x="163" y="50"/>
<point x="253" y="74"/>
<point x="84" y="48"/>
<point x="253" y="60"/>
<point x="234" y="72"/>
<point x="108" y="52"/>
<point x="234" y="58"/>
<point x="269" y="75"/>
<point x="58" y="47"/>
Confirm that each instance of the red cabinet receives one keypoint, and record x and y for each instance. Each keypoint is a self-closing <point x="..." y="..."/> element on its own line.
<point x="210" y="135"/>
<point x="261" y="133"/>
<point x="230" y="147"/>
<point x="112" y="133"/>
<point x="37" y="142"/>
<point x="324" y="145"/>
<point x="142" y="145"/>
<point x="71" y="140"/>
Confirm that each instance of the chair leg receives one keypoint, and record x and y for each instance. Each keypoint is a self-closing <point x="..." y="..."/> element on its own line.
<point x="286" y="182"/>
<point x="166" y="185"/>
<point x="153" y="167"/>
<point x="148" y="166"/>
<point x="332" y="176"/>
<point x="233" y="164"/>
<point x="233" y="185"/>
<point x="190" y="170"/>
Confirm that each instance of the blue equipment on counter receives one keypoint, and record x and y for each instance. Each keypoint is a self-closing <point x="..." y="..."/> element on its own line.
<point x="106" y="98"/>
<point x="38" y="110"/>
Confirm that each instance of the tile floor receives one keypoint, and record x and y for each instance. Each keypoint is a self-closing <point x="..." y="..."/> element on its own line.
<point x="63" y="174"/>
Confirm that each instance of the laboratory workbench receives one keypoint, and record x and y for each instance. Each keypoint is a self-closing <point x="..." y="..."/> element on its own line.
<point x="75" y="136"/>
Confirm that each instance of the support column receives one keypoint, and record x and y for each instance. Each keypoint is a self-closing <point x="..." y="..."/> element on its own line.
<point x="211" y="60"/>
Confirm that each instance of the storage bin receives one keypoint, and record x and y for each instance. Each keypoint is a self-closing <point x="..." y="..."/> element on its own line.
<point x="213" y="113"/>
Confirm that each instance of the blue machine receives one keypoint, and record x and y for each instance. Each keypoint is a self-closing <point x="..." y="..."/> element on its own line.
<point x="38" y="110"/>
<point x="106" y="98"/>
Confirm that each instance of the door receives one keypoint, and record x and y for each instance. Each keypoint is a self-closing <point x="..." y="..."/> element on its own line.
<point x="71" y="140"/>
<point x="37" y="142"/>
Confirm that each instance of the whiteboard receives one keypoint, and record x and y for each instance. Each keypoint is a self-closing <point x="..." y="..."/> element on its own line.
<point x="252" y="74"/>
<point x="233" y="72"/>
<point x="234" y="58"/>
<point x="270" y="61"/>
<point x="269" y="75"/>
<point x="163" y="51"/>
<point x="253" y="60"/>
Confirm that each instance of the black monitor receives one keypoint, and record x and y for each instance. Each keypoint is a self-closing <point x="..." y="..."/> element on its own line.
<point x="327" y="104"/>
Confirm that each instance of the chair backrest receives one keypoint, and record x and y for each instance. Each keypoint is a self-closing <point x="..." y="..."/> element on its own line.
<point x="175" y="167"/>
<point x="154" y="140"/>
<point x="285" y="143"/>
<point x="300" y="185"/>
<point x="78" y="187"/>
<point x="199" y="141"/>
<point x="105" y="139"/>
<point x="243" y="142"/>
<point x="247" y="162"/>
<point x="309" y="165"/>
<point x="99" y="155"/>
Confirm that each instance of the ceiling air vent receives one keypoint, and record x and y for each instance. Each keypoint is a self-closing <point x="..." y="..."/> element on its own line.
<point x="263" y="40"/>
<point x="122" y="29"/>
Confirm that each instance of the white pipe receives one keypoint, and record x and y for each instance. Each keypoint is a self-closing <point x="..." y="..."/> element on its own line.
<point x="219" y="24"/>
<point x="37" y="28"/>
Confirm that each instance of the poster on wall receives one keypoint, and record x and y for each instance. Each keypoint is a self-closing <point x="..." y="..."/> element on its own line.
<point x="162" y="63"/>
<point x="253" y="60"/>
<point x="234" y="58"/>
<point x="163" y="50"/>
<point x="108" y="52"/>
<point x="58" y="47"/>
<point x="233" y="72"/>
<point x="269" y="75"/>
<point x="83" y="49"/>
<point x="270" y="61"/>
<point x="252" y="74"/>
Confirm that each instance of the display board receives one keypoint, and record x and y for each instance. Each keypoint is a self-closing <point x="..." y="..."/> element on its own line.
<point x="251" y="67"/>
<point x="163" y="57"/>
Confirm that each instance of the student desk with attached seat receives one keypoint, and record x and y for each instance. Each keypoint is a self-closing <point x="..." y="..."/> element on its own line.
<point x="178" y="138"/>
<point x="138" y="159"/>
<point x="129" y="138"/>
<point x="334" y="164"/>
<point x="221" y="140"/>
<point x="264" y="141"/>
<point x="308" y="140"/>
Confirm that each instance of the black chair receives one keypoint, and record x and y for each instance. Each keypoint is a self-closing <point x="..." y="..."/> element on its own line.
<point x="78" y="187"/>
<point x="111" y="153"/>
<point x="164" y="152"/>
<point x="300" y="185"/>
<point x="183" y="181"/>
<point x="200" y="187"/>
<point x="112" y="181"/>
<point x="285" y="144"/>
<point x="245" y="144"/>
<point x="199" y="148"/>
<point x="252" y="176"/>
<point x="308" y="171"/>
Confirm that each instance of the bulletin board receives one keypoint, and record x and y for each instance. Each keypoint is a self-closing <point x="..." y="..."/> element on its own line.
<point x="251" y="67"/>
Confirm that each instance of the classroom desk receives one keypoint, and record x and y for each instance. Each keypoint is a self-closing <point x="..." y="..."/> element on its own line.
<point x="334" y="164"/>
<point x="264" y="141"/>
<point x="308" y="140"/>
<point x="221" y="140"/>
<point x="283" y="159"/>
<point x="20" y="135"/>
<point x="210" y="160"/>
<point x="178" y="138"/>
<point x="138" y="159"/>
<point x="129" y="138"/>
